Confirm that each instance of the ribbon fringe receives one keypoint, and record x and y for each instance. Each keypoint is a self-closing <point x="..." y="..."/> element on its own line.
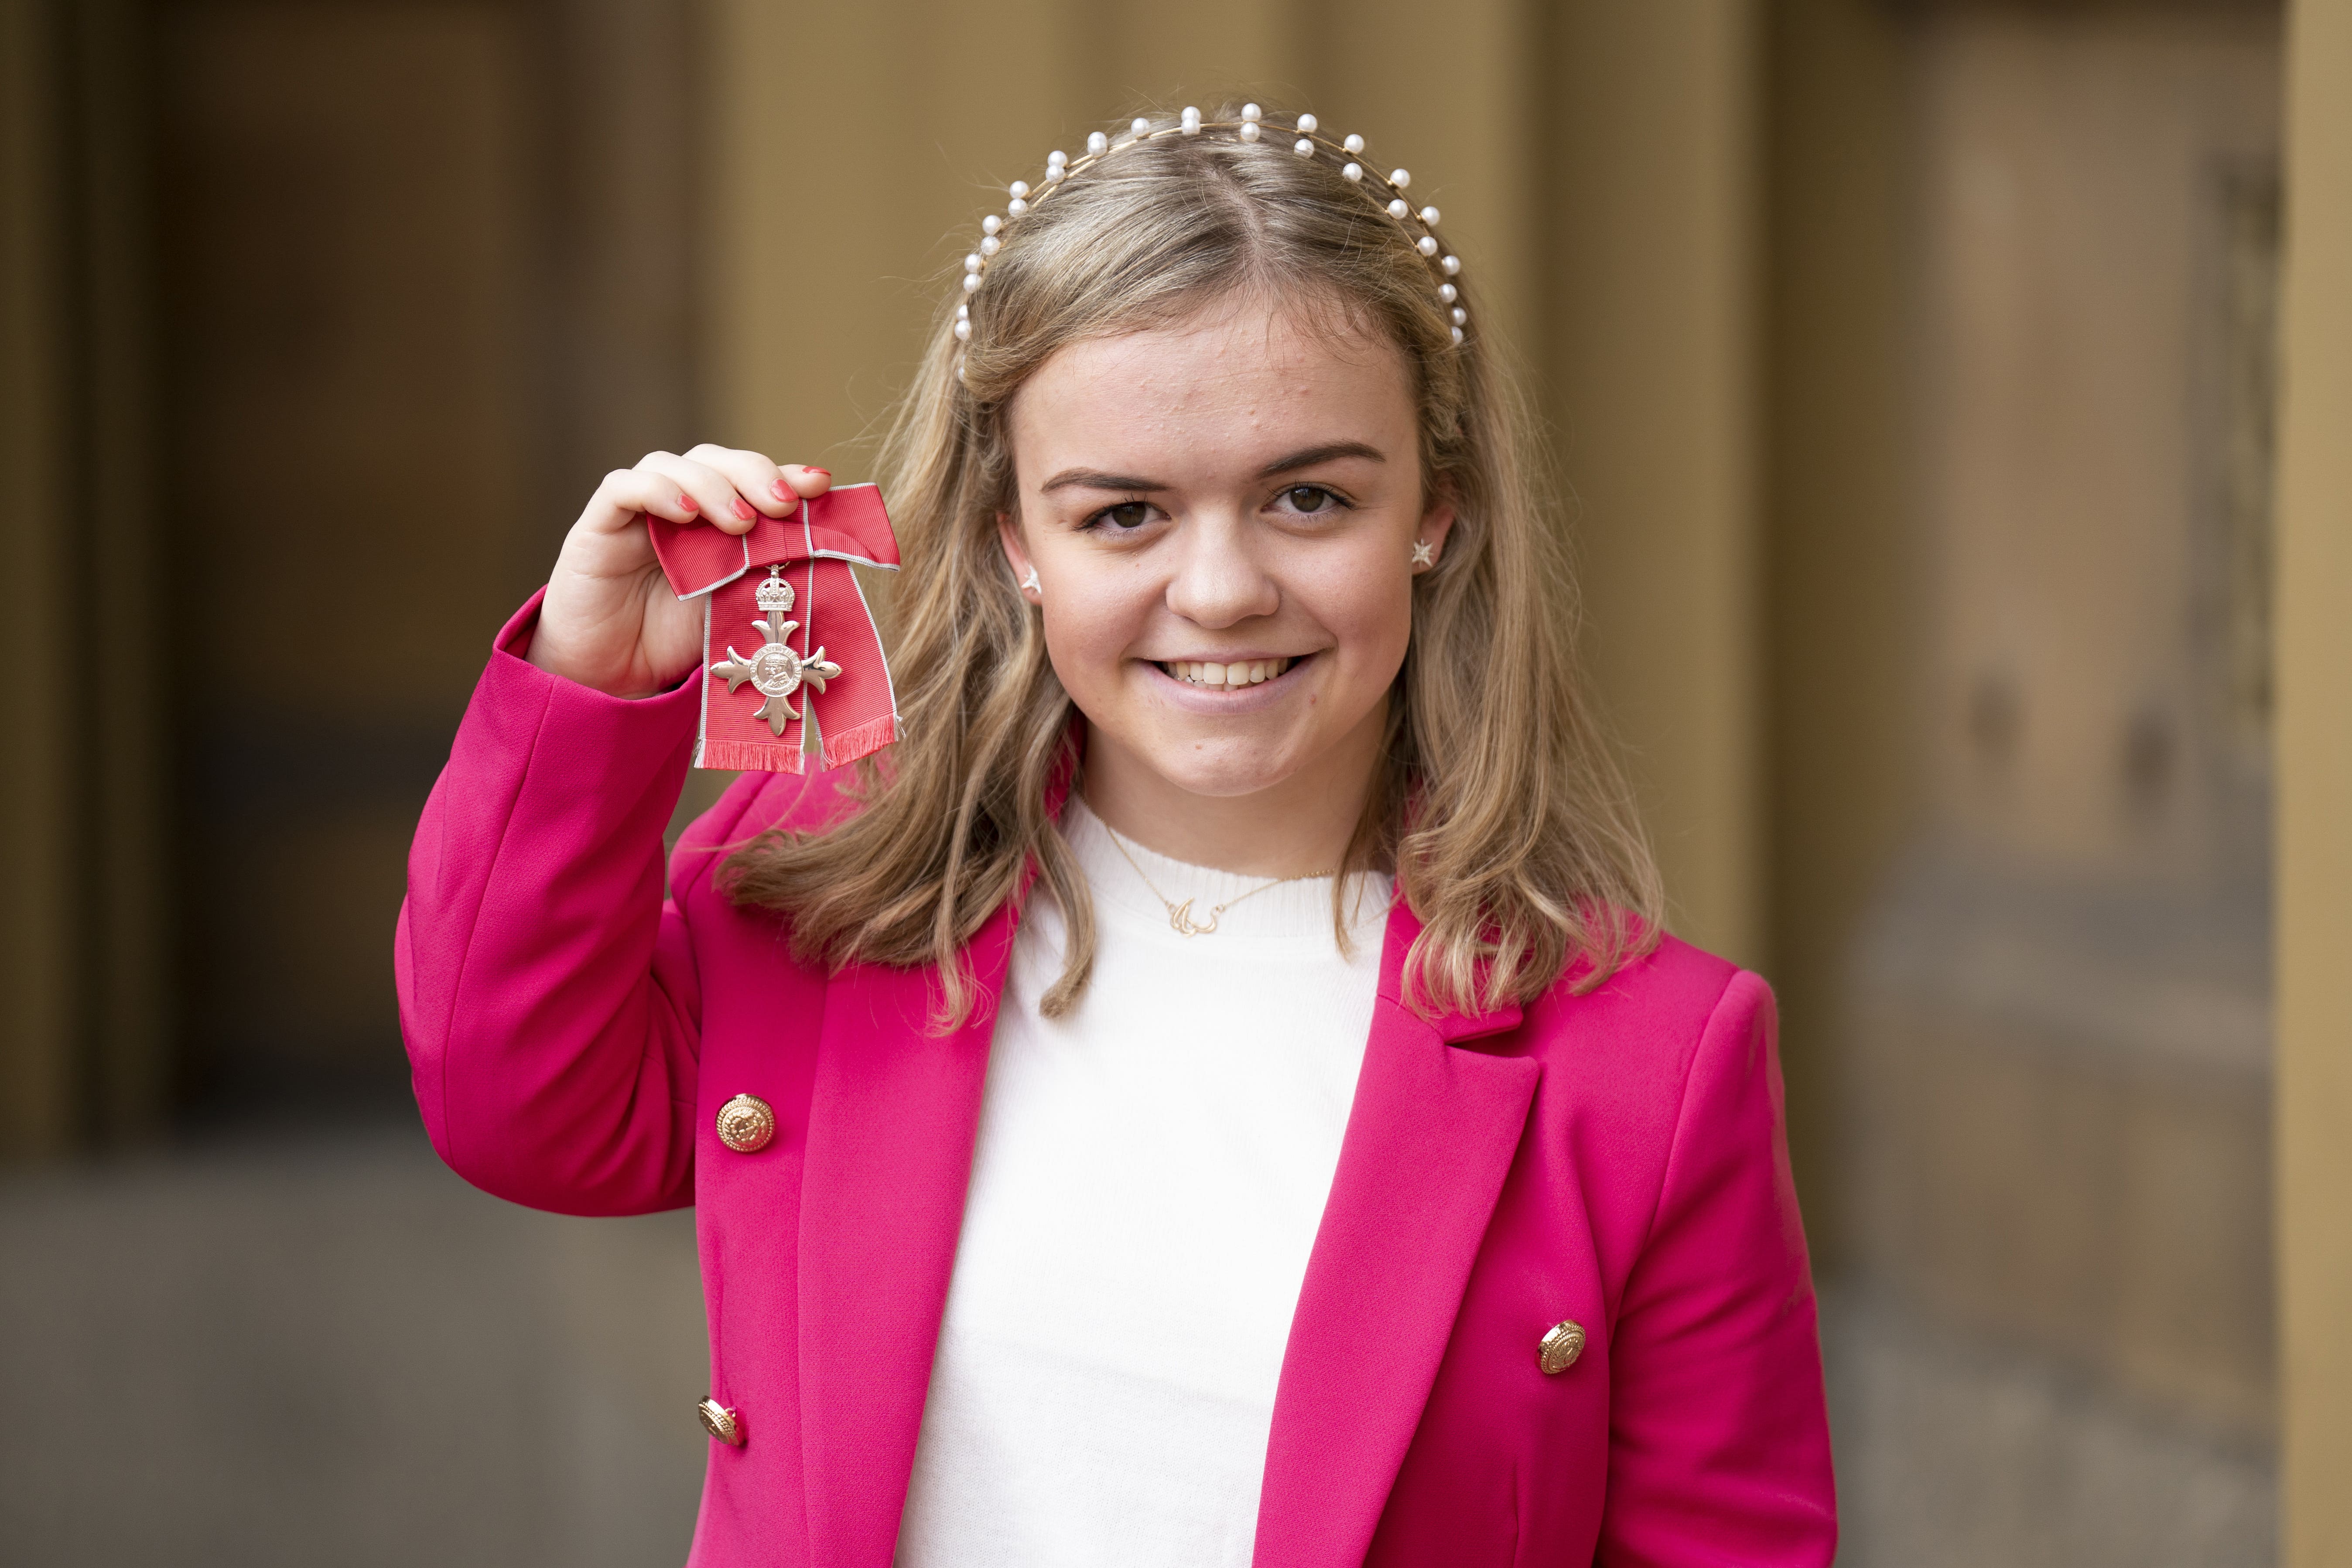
<point x="745" y="756"/>
<point x="846" y="748"/>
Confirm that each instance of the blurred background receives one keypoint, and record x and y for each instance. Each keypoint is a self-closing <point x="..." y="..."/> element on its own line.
<point x="1970" y="602"/>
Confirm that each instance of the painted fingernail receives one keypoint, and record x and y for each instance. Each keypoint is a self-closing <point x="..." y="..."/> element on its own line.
<point x="744" y="510"/>
<point x="783" y="491"/>
<point x="687" y="503"/>
<point x="820" y="473"/>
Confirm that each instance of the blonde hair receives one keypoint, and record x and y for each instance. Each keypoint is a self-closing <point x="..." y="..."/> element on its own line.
<point x="1509" y="830"/>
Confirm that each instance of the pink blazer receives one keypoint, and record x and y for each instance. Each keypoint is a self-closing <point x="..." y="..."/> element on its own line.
<point x="1616" y="1159"/>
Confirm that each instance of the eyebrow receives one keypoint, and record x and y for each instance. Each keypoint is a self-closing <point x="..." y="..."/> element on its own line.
<point x="1314" y="455"/>
<point x="1097" y="479"/>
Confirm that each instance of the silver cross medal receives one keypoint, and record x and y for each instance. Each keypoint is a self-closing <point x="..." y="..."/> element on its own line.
<point x="775" y="671"/>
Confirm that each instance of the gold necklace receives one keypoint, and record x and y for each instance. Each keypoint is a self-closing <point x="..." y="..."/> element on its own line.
<point x="1180" y="915"/>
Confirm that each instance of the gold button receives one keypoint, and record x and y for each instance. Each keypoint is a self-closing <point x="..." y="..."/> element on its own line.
<point x="745" y="1124"/>
<point x="1560" y="1348"/>
<point x="722" y="1422"/>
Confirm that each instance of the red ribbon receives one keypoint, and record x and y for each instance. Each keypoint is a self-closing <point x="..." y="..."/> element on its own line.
<point x="857" y="711"/>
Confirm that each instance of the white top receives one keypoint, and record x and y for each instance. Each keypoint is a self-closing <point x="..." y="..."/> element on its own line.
<point x="1150" y="1175"/>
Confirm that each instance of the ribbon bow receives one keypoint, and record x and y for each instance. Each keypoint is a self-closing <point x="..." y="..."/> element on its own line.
<point x="786" y="591"/>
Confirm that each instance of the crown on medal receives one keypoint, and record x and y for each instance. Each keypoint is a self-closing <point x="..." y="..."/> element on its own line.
<point x="1387" y="193"/>
<point x="774" y="593"/>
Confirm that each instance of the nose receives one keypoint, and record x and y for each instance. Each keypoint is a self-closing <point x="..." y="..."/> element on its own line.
<point x="1219" y="581"/>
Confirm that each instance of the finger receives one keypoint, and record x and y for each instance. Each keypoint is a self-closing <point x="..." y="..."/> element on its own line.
<point x="755" y="478"/>
<point x="722" y="504"/>
<point x="806" y="480"/>
<point x="628" y="493"/>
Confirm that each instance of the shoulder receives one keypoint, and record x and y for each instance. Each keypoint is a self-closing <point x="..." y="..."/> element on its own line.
<point x="1670" y="991"/>
<point x="1662" y="1085"/>
<point x="755" y="803"/>
<point x="1645" y="1029"/>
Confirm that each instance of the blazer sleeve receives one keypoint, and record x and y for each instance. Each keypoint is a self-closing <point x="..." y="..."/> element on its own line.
<point x="1720" y="1449"/>
<point x="548" y="990"/>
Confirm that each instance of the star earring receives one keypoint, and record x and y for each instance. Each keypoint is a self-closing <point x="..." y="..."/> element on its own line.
<point x="1423" y="554"/>
<point x="1031" y="585"/>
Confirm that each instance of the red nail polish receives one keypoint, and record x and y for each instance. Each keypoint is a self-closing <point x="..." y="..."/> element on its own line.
<point x="744" y="510"/>
<point x="783" y="492"/>
<point x="820" y="473"/>
<point x="687" y="503"/>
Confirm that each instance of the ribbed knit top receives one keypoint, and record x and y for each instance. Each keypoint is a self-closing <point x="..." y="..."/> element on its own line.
<point x="1150" y="1175"/>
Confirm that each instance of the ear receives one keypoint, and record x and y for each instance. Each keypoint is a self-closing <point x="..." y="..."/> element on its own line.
<point x="1008" y="534"/>
<point x="1437" y="522"/>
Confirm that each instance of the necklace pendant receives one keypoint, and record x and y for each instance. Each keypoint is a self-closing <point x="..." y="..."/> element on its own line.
<point x="1180" y="915"/>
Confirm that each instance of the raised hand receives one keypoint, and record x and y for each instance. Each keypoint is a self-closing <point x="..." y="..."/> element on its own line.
<point x="609" y="620"/>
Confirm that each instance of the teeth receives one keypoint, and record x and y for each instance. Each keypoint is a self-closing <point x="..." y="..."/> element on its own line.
<point x="1201" y="672"/>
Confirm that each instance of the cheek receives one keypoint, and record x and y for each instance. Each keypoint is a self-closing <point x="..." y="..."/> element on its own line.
<point x="1072" y="647"/>
<point x="1367" y="605"/>
<point x="1089" y="625"/>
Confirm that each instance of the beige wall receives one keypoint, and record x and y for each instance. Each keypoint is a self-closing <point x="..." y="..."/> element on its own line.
<point x="2059" y="1047"/>
<point x="1650" y="129"/>
<point x="842" y="195"/>
<point x="2083" y="292"/>
<point x="2315" y="757"/>
<point x="1838" y="563"/>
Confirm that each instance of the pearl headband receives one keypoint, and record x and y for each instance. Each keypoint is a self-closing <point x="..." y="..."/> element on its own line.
<point x="1420" y="228"/>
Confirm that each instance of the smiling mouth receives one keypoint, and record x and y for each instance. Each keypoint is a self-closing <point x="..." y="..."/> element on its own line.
<point x="1214" y="676"/>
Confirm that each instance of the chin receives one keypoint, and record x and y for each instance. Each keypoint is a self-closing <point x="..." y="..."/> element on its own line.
<point x="1239" y="771"/>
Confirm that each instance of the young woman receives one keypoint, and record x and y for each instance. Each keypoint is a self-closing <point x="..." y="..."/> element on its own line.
<point x="1216" y="1091"/>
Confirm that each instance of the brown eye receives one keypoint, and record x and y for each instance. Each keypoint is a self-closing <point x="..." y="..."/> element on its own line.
<point x="1310" y="498"/>
<point x="1127" y="514"/>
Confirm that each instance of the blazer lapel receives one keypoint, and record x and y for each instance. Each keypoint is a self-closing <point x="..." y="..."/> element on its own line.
<point x="894" y="1113"/>
<point x="1430" y="1137"/>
